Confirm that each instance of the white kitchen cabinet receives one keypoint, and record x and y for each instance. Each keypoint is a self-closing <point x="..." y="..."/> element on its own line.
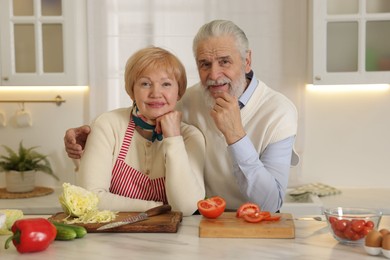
<point x="351" y="41"/>
<point x="43" y="42"/>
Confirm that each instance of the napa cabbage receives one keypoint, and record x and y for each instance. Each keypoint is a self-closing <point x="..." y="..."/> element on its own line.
<point x="81" y="206"/>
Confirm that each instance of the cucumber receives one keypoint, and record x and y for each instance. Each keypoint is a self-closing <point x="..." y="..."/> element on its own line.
<point x="65" y="233"/>
<point x="79" y="230"/>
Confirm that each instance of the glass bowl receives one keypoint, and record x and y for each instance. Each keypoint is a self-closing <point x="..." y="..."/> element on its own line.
<point x="351" y="225"/>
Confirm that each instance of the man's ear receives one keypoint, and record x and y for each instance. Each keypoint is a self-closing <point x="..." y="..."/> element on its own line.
<point x="248" y="61"/>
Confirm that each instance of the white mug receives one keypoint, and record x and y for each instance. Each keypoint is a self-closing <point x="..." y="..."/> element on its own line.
<point x="23" y="118"/>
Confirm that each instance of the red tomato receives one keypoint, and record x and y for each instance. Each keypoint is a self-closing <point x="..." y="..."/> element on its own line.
<point x="366" y="230"/>
<point x="358" y="225"/>
<point x="332" y="220"/>
<point x="356" y="236"/>
<point x="254" y="218"/>
<point x="259" y="216"/>
<point x="247" y="209"/>
<point x="273" y="218"/>
<point x="212" y="207"/>
<point x="348" y="232"/>
<point x="339" y="233"/>
<point x="370" y="224"/>
<point x="342" y="224"/>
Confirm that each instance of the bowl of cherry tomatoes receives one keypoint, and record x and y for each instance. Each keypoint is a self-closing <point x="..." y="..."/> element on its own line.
<point x="351" y="225"/>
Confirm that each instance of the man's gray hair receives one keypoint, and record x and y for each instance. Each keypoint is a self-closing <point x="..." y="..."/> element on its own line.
<point x="222" y="28"/>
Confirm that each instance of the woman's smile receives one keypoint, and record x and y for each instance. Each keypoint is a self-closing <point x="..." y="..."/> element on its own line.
<point x="155" y="104"/>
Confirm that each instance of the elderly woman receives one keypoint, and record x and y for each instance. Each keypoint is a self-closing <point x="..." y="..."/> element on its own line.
<point x="143" y="156"/>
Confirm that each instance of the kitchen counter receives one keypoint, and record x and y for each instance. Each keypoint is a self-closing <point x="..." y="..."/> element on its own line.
<point x="50" y="205"/>
<point x="350" y="197"/>
<point x="312" y="241"/>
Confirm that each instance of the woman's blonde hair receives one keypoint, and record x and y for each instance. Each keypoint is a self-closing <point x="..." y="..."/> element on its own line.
<point x="151" y="58"/>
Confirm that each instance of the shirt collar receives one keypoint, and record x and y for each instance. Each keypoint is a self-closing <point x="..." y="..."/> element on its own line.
<point x="244" y="98"/>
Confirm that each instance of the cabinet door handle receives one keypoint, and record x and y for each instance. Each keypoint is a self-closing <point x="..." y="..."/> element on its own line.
<point x="5" y="78"/>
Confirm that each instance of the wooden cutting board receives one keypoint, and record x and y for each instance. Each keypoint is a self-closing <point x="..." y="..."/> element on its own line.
<point x="229" y="226"/>
<point x="164" y="223"/>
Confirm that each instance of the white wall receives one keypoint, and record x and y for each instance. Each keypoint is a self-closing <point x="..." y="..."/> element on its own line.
<point x="347" y="139"/>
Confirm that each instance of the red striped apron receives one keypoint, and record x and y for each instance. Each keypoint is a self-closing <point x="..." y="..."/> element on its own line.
<point x="129" y="182"/>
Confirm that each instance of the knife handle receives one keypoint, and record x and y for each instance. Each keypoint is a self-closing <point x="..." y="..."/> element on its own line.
<point x="158" y="210"/>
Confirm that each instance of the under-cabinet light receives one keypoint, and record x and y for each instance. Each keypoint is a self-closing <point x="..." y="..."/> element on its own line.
<point x="349" y="88"/>
<point x="43" y="88"/>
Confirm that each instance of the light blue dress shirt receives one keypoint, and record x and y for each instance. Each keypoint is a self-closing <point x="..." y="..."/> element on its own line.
<point x="254" y="172"/>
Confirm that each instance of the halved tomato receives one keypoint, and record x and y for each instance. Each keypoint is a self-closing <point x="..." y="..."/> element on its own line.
<point x="212" y="207"/>
<point x="247" y="209"/>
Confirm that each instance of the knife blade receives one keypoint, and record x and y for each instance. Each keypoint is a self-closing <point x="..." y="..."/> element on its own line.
<point x="137" y="218"/>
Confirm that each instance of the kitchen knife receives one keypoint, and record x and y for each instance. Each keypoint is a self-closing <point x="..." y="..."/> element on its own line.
<point x="140" y="217"/>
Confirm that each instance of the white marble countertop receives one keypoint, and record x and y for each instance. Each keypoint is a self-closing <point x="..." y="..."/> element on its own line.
<point x="350" y="197"/>
<point x="312" y="241"/>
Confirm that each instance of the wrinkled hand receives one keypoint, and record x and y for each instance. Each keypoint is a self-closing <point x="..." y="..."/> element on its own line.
<point x="75" y="139"/>
<point x="169" y="124"/>
<point x="227" y="117"/>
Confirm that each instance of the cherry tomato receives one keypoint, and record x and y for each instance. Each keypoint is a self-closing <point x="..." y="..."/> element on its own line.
<point x="342" y="224"/>
<point x="370" y="224"/>
<point x="355" y="236"/>
<point x="358" y="225"/>
<point x="212" y="207"/>
<point x="348" y="232"/>
<point x="332" y="220"/>
<point x="366" y="230"/>
<point x="247" y="209"/>
<point x="339" y="233"/>
<point x="334" y="224"/>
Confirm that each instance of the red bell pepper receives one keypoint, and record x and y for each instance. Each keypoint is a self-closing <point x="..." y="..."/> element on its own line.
<point x="32" y="235"/>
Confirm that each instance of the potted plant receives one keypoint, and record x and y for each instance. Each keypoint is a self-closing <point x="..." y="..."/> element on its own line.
<point x="20" y="168"/>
